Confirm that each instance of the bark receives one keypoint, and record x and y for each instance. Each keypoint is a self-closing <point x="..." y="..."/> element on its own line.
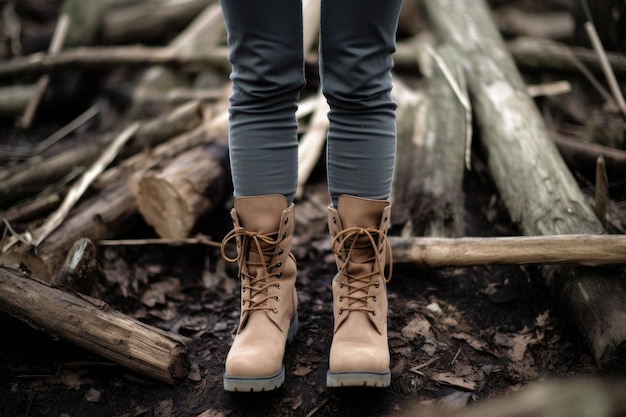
<point x="193" y="184"/>
<point x="589" y="250"/>
<point x="534" y="183"/>
<point x="28" y="179"/>
<point x="428" y="195"/>
<point x="94" y="326"/>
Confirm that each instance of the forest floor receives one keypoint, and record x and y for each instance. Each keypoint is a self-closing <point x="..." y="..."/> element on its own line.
<point x="456" y="335"/>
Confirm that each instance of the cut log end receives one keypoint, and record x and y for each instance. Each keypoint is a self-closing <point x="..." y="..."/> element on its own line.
<point x="164" y="208"/>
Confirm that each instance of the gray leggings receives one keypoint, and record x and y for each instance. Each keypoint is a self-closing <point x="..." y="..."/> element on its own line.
<point x="356" y="43"/>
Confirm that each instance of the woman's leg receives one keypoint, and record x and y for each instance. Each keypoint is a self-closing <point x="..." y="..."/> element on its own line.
<point x="265" y="40"/>
<point x="357" y="40"/>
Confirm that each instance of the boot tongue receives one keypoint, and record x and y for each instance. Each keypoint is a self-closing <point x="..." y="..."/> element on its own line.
<point x="360" y="212"/>
<point x="260" y="214"/>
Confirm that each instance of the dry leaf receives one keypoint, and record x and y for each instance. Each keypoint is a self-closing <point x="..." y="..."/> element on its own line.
<point x="303" y="369"/>
<point x="417" y="327"/>
<point x="452" y="380"/>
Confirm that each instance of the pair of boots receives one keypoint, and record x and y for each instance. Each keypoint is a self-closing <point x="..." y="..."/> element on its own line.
<point x="359" y="354"/>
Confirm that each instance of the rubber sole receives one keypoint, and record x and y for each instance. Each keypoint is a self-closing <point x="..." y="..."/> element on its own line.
<point x="261" y="384"/>
<point x="358" y="379"/>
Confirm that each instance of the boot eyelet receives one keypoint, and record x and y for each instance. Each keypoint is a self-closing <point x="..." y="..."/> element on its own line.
<point x="341" y="285"/>
<point x="279" y="264"/>
<point x="284" y="234"/>
<point x="340" y="311"/>
<point x="278" y="285"/>
<point x="277" y="298"/>
<point x="275" y="310"/>
<point x="386" y="218"/>
<point x="243" y="302"/>
<point x="280" y="274"/>
<point x="335" y="220"/>
<point x="281" y="251"/>
<point x="374" y="298"/>
<point x="286" y="220"/>
<point x="374" y="312"/>
<point x="377" y="285"/>
<point x="243" y="290"/>
<point x="340" y="299"/>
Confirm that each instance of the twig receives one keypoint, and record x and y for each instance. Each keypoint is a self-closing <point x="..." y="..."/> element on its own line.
<point x="606" y="67"/>
<point x="174" y="242"/>
<point x="318" y="408"/>
<point x="83" y="183"/>
<point x="456" y="356"/>
<point x="58" y="39"/>
<point x="65" y="130"/>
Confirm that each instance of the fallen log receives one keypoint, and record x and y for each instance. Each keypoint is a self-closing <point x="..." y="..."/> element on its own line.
<point x="94" y="326"/>
<point x="428" y="194"/>
<point x="29" y="178"/>
<point x="588" y="250"/>
<point x="205" y="32"/>
<point x="135" y="22"/>
<point x="538" y="190"/>
<point x="582" y="156"/>
<point x="105" y="58"/>
<point x="543" y="54"/>
<point x="172" y="199"/>
<point x="107" y="210"/>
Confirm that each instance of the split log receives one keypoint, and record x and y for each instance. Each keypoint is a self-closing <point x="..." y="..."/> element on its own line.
<point x="172" y="199"/>
<point x="588" y="250"/>
<point x="135" y="22"/>
<point x="94" y="326"/>
<point x="534" y="182"/>
<point x="428" y="190"/>
<point x="28" y="179"/>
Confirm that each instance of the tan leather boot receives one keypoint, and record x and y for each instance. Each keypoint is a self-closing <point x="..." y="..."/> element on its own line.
<point x="359" y="354"/>
<point x="263" y="232"/>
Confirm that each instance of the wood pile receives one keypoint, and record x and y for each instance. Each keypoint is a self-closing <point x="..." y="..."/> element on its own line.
<point x="152" y="140"/>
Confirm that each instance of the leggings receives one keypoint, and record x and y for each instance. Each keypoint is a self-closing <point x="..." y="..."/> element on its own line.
<point x="356" y="42"/>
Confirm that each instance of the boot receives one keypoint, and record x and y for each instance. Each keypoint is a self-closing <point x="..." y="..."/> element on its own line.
<point x="263" y="232"/>
<point x="359" y="354"/>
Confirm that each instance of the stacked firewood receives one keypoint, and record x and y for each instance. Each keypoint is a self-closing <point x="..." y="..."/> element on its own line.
<point x="167" y="157"/>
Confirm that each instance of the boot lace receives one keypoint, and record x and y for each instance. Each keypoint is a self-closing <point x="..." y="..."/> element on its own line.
<point x="266" y="247"/>
<point x="345" y="244"/>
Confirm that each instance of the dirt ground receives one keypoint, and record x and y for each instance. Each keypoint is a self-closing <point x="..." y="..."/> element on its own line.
<point x="457" y="336"/>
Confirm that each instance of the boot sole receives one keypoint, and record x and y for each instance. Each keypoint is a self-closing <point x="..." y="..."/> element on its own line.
<point x="265" y="383"/>
<point x="358" y="379"/>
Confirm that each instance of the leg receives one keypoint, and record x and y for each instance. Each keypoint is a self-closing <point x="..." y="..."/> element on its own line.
<point x="265" y="40"/>
<point x="357" y="40"/>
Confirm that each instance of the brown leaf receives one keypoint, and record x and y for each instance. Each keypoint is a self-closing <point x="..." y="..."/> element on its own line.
<point x="303" y="369"/>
